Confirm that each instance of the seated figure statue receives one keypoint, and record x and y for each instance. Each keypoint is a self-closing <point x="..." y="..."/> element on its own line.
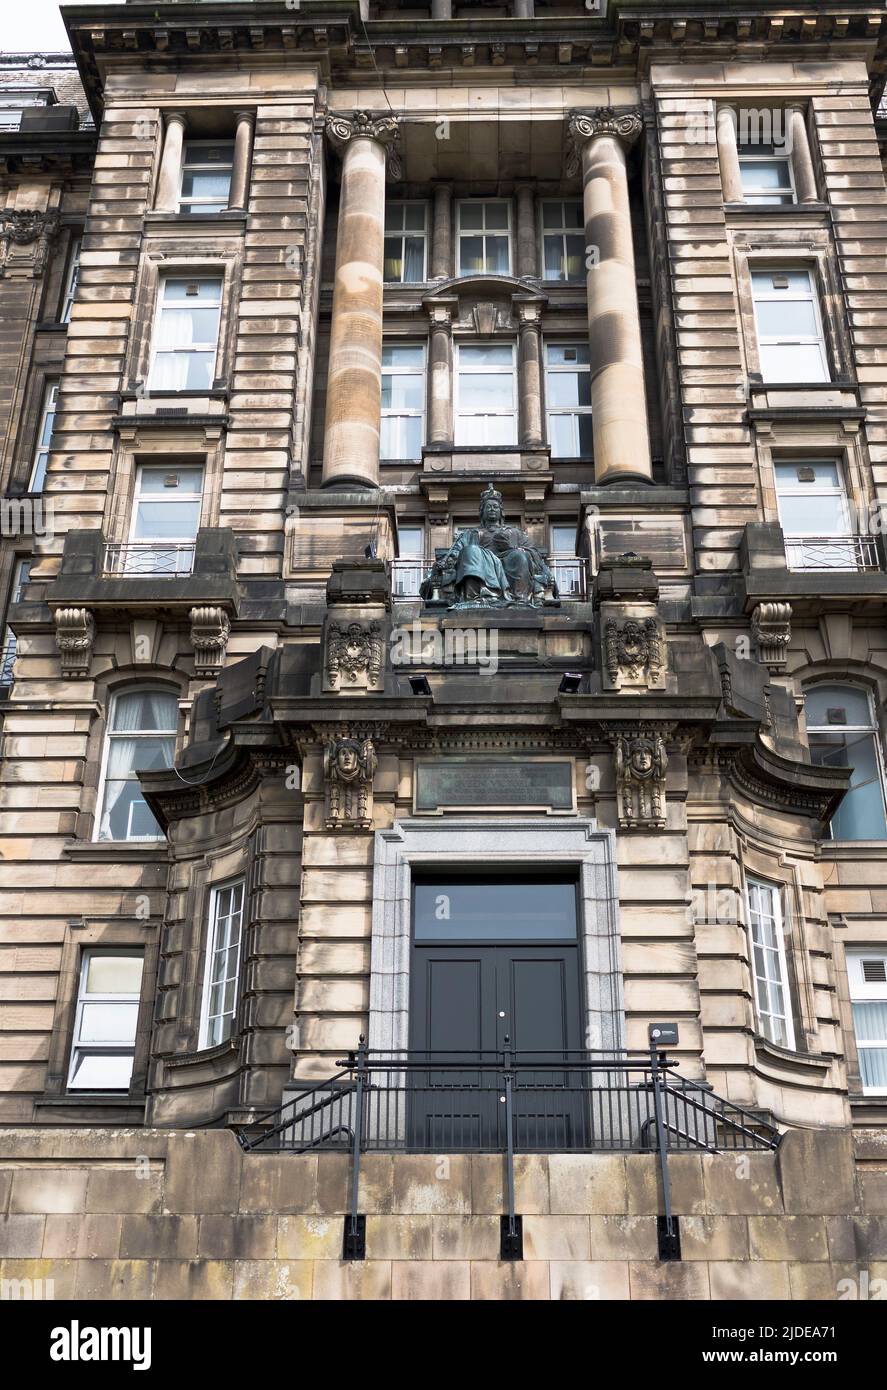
<point x="492" y="564"/>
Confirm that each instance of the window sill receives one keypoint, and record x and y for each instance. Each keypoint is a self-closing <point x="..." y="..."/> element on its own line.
<point x="96" y="851"/>
<point x="776" y="209"/>
<point x="199" y="219"/>
<point x="82" y="1099"/>
<point x="788" y="1057"/>
<point x="230" y="1047"/>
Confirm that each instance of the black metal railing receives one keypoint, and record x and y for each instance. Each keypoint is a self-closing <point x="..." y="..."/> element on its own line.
<point x="832" y="553"/>
<point x="507" y="1102"/>
<point x="578" y="1102"/>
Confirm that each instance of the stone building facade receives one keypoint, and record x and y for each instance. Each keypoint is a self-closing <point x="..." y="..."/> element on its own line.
<point x="442" y="463"/>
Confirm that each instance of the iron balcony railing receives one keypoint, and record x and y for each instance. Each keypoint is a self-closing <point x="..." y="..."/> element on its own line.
<point x="576" y="1102"/>
<point x="7" y="660"/>
<point x="407" y="575"/>
<point x="165" y="560"/>
<point x="507" y="1102"/>
<point x="832" y="553"/>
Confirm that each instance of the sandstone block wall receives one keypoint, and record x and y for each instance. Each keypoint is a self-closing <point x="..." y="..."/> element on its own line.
<point x="156" y="1214"/>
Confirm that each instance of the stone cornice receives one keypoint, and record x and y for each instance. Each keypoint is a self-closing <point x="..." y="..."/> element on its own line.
<point x="330" y="35"/>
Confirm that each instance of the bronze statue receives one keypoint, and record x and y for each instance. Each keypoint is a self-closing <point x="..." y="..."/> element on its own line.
<point x="492" y="564"/>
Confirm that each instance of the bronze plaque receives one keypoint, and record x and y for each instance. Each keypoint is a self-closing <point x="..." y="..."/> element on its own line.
<point x="480" y="782"/>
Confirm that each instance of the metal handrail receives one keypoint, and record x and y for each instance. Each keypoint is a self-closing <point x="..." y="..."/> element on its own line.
<point x="832" y="553"/>
<point x="368" y="1103"/>
<point x="160" y="559"/>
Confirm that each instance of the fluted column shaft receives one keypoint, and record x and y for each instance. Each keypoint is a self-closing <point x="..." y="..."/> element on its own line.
<point x="618" y="399"/>
<point x="354" y="383"/>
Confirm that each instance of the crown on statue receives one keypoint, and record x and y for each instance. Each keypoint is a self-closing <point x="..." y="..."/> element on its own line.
<point x="490" y="494"/>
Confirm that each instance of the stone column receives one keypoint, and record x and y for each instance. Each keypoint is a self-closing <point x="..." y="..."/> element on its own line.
<point x="728" y="154"/>
<point x="529" y="369"/>
<point x="442" y="233"/>
<point x="169" y="184"/>
<point x="527" y="251"/>
<point x="238" y="198"/>
<point x="440" y="371"/>
<point x="618" y="400"/>
<point x="354" y="383"/>
<point x="802" y="160"/>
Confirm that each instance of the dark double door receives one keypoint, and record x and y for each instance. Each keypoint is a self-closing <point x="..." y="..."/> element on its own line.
<point x="468" y="1003"/>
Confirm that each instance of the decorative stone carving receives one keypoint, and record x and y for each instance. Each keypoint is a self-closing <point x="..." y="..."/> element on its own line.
<point x="772" y="631"/>
<point x="349" y="766"/>
<point x="624" y="126"/>
<point x="74" y="636"/>
<point x="25" y="237"/>
<point x="354" y="653"/>
<point x="364" y="125"/>
<point x="633" y="653"/>
<point x="641" y="763"/>
<point x="210" y="630"/>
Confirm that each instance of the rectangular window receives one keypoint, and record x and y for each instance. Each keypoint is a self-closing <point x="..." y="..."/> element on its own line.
<point x="769" y="971"/>
<point x="186" y="334"/>
<point x="141" y="738"/>
<point x="568" y="400"/>
<point x="842" y="732"/>
<point x="14" y="100"/>
<point x="405" y="243"/>
<point x="790" y="337"/>
<point x="222" y="964"/>
<point x="486" y="402"/>
<point x="531" y="908"/>
<point x="403" y="401"/>
<point x="563" y="240"/>
<point x="37" y="480"/>
<point x="568" y="569"/>
<point x="867" y="972"/>
<point x="408" y="570"/>
<point x="7" y="660"/>
<point x="484" y="238"/>
<point x="766" y="174"/>
<point x="814" y="513"/>
<point x="105" y="1021"/>
<point x="206" y="176"/>
<point x="71" y="278"/>
<point x="165" y="519"/>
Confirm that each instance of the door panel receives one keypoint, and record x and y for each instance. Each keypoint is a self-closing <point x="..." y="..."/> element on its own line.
<point x="465" y="1002"/>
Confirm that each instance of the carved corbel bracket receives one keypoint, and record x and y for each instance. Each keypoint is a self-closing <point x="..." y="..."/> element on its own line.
<point x="210" y="630"/>
<point x="74" y="637"/>
<point x="771" y="628"/>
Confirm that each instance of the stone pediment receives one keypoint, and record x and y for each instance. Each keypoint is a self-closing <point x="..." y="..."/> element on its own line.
<point x="482" y="304"/>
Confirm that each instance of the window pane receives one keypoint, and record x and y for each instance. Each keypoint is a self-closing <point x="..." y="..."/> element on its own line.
<point x="414" y="217"/>
<point x="798" y="362"/>
<point x="562" y="436"/>
<point x="398" y="356"/>
<point x="183" y="371"/>
<point x="497" y="255"/>
<point x="196" y="291"/>
<point x="569" y="388"/>
<point x="145" y="710"/>
<point x="563" y="540"/>
<point x="185" y="327"/>
<point x="765" y="173"/>
<point x="101" y="1071"/>
<point x="108" y="1023"/>
<point x="471" y="255"/>
<point x="471" y="216"/>
<point x="497" y="911"/>
<point x="790" y="282"/>
<point x="854" y="704"/>
<point x="813" y="516"/>
<point x="109" y="974"/>
<point x="792" y="318"/>
<point x="155" y="480"/>
<point x="394" y="217"/>
<point x="393" y="270"/>
<point x="157" y="522"/>
<point x="554" y="257"/>
<point x="411" y="540"/>
<point x="861" y="814"/>
<point x="496" y="216"/>
<point x="567" y="354"/>
<point x="206" y="183"/>
<point x="486" y="355"/>
<point x="870" y="1021"/>
<point x="825" y="474"/>
<point x="490" y="389"/>
<point x="873" y="1067"/>
<point x="414" y="270"/>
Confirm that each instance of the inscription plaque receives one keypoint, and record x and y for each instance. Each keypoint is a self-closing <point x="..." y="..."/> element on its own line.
<point x="481" y="782"/>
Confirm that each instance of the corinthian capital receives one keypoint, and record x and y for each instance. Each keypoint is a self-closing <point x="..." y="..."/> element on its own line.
<point x="623" y="125"/>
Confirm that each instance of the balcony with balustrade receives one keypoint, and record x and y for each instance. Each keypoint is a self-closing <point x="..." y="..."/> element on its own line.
<point x="147" y="575"/>
<point x="408" y="573"/>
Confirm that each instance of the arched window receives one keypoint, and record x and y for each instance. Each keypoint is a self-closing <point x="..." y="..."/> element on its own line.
<point x="141" y="737"/>
<point x="843" y="732"/>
